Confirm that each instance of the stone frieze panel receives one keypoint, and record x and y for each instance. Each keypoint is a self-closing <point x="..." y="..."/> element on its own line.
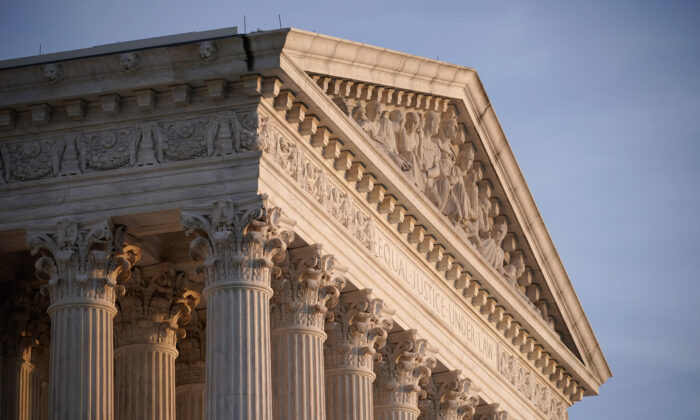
<point x="157" y="142"/>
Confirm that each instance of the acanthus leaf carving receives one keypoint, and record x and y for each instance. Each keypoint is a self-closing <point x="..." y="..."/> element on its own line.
<point x="308" y="285"/>
<point x="82" y="261"/>
<point x="449" y="396"/>
<point x="404" y="364"/>
<point x="157" y="302"/>
<point x="237" y="241"/>
<point x="356" y="328"/>
<point x="190" y="364"/>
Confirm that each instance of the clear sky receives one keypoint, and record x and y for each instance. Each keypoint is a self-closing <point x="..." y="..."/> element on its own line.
<point x="600" y="101"/>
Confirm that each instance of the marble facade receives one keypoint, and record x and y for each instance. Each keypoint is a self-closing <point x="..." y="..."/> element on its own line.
<point x="273" y="225"/>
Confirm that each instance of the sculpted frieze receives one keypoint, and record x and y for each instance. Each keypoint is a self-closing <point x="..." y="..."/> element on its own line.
<point x="32" y="160"/>
<point x="111" y="149"/>
<point x="153" y="143"/>
<point x="312" y="179"/>
<point x="535" y="390"/>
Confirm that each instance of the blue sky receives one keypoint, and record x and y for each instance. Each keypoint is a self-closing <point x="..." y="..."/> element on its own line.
<point x="601" y="103"/>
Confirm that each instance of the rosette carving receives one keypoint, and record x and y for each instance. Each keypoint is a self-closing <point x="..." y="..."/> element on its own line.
<point x="106" y="150"/>
<point x="305" y="290"/>
<point x="404" y="365"/>
<point x="190" y="365"/>
<point x="356" y="328"/>
<point x="449" y="396"/>
<point x="238" y="243"/>
<point x="187" y="139"/>
<point x="32" y="160"/>
<point x="83" y="262"/>
<point x="157" y="302"/>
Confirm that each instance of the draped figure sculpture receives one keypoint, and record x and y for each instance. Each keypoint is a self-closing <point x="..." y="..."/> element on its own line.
<point x="429" y="156"/>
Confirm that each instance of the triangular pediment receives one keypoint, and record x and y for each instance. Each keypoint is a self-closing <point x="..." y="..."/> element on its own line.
<point x="434" y="123"/>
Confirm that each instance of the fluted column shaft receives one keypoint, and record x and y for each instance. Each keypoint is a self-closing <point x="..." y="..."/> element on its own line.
<point x="81" y="365"/>
<point x="303" y="294"/>
<point x="189" y="369"/>
<point x="82" y="265"/>
<point x="22" y="390"/>
<point x="145" y="382"/>
<point x="356" y="327"/>
<point x="238" y="244"/>
<point x="349" y="394"/>
<point x="297" y="362"/>
<point x="238" y="353"/>
<point x="190" y="401"/>
<point x="157" y="300"/>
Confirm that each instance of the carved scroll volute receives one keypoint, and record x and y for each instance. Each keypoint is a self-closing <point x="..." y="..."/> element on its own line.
<point x="307" y="286"/>
<point x="238" y="243"/>
<point x="83" y="262"/>
<point x="449" y="396"/>
<point x="404" y="366"/>
<point x="157" y="303"/>
<point x="356" y="328"/>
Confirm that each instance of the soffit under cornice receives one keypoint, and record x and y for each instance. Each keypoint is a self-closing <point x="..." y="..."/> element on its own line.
<point x="335" y="57"/>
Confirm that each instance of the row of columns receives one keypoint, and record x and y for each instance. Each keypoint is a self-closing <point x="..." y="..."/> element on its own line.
<point x="271" y="314"/>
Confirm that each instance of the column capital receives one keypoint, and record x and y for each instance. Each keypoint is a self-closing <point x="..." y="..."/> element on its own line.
<point x="157" y="301"/>
<point x="237" y="241"/>
<point x="308" y="285"/>
<point x="356" y="328"/>
<point x="449" y="396"/>
<point x="190" y="364"/>
<point x="82" y="262"/>
<point x="405" y="365"/>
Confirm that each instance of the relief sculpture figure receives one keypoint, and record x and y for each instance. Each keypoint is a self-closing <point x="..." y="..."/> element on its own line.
<point x="491" y="249"/>
<point x="407" y="141"/>
<point x="429" y="156"/>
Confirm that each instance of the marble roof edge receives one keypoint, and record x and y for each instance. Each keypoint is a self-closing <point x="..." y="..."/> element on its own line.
<point x="117" y="47"/>
<point x="303" y="47"/>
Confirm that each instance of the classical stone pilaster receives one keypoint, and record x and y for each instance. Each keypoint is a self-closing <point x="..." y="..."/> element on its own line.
<point x="239" y="244"/>
<point x="189" y="369"/>
<point x="158" y="300"/>
<point x="82" y="265"/>
<point x="356" y="327"/>
<point x="307" y="287"/>
<point x="24" y="360"/>
<point x="406" y="363"/>
<point x="449" y="396"/>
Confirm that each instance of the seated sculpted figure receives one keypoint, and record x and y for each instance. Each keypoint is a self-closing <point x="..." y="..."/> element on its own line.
<point x="429" y="155"/>
<point x="471" y="180"/>
<point x="491" y="249"/>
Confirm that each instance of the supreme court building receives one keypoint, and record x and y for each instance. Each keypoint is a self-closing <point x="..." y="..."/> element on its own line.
<point x="276" y="225"/>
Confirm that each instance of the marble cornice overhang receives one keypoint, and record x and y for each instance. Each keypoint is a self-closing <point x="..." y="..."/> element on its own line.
<point x="92" y="76"/>
<point x="309" y="52"/>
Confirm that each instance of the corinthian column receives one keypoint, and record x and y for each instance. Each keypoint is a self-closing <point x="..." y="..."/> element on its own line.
<point x="157" y="301"/>
<point x="405" y="365"/>
<point x="303" y="294"/>
<point x="449" y="396"/>
<point x="25" y="359"/>
<point x="356" y="327"/>
<point x="82" y="264"/>
<point x="189" y="369"/>
<point x="239" y="244"/>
